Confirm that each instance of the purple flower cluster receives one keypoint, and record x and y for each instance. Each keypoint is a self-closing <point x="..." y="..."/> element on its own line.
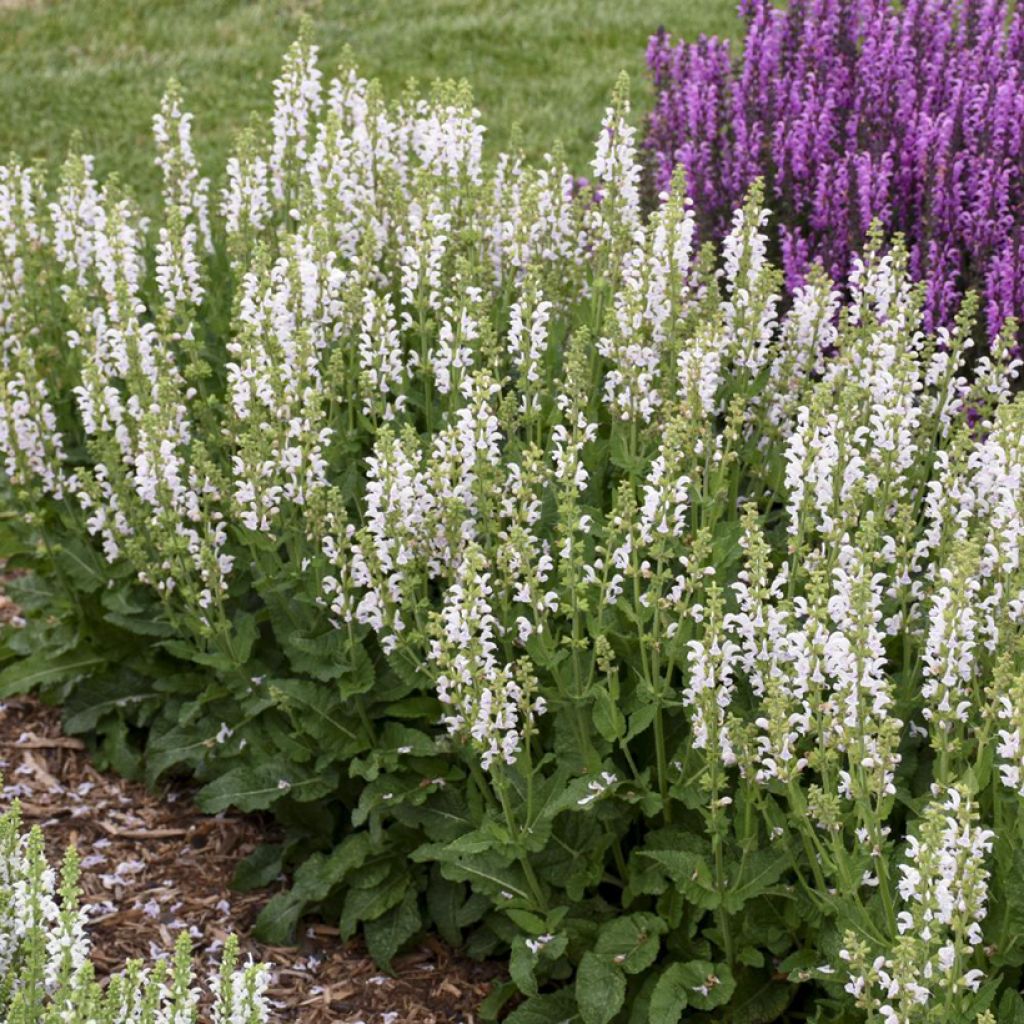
<point x="853" y="110"/>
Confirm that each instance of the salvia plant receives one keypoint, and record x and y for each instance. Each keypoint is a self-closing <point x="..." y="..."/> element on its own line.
<point x="47" y="976"/>
<point x="555" y="583"/>
<point x="855" y="111"/>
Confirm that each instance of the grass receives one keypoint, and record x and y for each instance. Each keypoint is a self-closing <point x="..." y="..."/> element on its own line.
<point x="99" y="66"/>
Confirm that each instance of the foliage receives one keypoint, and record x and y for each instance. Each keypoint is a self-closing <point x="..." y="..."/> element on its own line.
<point x="552" y="585"/>
<point x="46" y="975"/>
<point x="857" y="110"/>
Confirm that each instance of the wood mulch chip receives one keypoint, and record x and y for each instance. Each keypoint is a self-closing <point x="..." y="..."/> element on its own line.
<point x="153" y="864"/>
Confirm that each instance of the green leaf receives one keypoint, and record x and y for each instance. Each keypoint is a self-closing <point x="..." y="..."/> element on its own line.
<point x="386" y="934"/>
<point x="247" y="787"/>
<point x="719" y="981"/>
<point x="522" y="967"/>
<point x="698" y="983"/>
<point x="319" y="713"/>
<point x="82" y="565"/>
<point x="1011" y="1008"/>
<point x="276" y="922"/>
<point x="608" y="719"/>
<point x="670" y="996"/>
<point x="600" y="988"/>
<point x="491" y="872"/>
<point x="555" y="1008"/>
<point x="444" y="900"/>
<point x="99" y="695"/>
<point x="260" y="868"/>
<point x="631" y="942"/>
<point x="762" y="870"/>
<point x="31" y="592"/>
<point x="369" y="904"/>
<point x="182" y="744"/>
<point x="140" y="626"/>
<point x="314" y="881"/>
<point x="689" y="873"/>
<point x="443" y="818"/>
<point x="641" y="720"/>
<point x="245" y="634"/>
<point x="41" y="669"/>
<point x="328" y="656"/>
<point x="187" y="652"/>
<point x="761" y="999"/>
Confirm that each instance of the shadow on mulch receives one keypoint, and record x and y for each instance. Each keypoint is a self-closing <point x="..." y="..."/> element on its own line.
<point x="153" y="864"/>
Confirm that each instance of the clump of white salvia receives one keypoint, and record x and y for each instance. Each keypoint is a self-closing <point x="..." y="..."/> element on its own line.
<point x="488" y="703"/>
<point x="752" y="287"/>
<point x="178" y="269"/>
<point x="860" y="720"/>
<point x="709" y="685"/>
<point x="614" y="215"/>
<point x="944" y="892"/>
<point x="949" y="659"/>
<point x="245" y="198"/>
<point x="298" y="98"/>
<point x="412" y="418"/>
<point x="776" y="658"/>
<point x="184" y="188"/>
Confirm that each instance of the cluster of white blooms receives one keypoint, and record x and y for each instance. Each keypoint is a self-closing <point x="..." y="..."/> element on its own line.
<point x="486" y="702"/>
<point x="245" y="198"/>
<point x="949" y="655"/>
<point x="860" y="719"/>
<point x="710" y="688"/>
<point x="186" y="200"/>
<point x="750" y="305"/>
<point x="615" y="214"/>
<point x="808" y="331"/>
<point x="529" y="317"/>
<point x="654" y="294"/>
<point x="777" y="658"/>
<point x="943" y="886"/>
<point x="298" y="97"/>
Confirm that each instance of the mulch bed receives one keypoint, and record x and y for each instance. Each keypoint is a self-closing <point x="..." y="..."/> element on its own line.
<point x="153" y="864"/>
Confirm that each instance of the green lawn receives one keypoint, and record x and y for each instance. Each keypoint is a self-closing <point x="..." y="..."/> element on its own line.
<point x="99" y="66"/>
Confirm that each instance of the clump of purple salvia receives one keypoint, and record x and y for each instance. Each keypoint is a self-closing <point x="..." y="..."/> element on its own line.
<point x="855" y="111"/>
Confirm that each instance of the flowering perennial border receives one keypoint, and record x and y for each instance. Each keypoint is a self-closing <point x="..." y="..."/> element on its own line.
<point x="552" y="582"/>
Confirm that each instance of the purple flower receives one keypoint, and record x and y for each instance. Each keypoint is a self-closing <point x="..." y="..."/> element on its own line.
<point x="854" y="111"/>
